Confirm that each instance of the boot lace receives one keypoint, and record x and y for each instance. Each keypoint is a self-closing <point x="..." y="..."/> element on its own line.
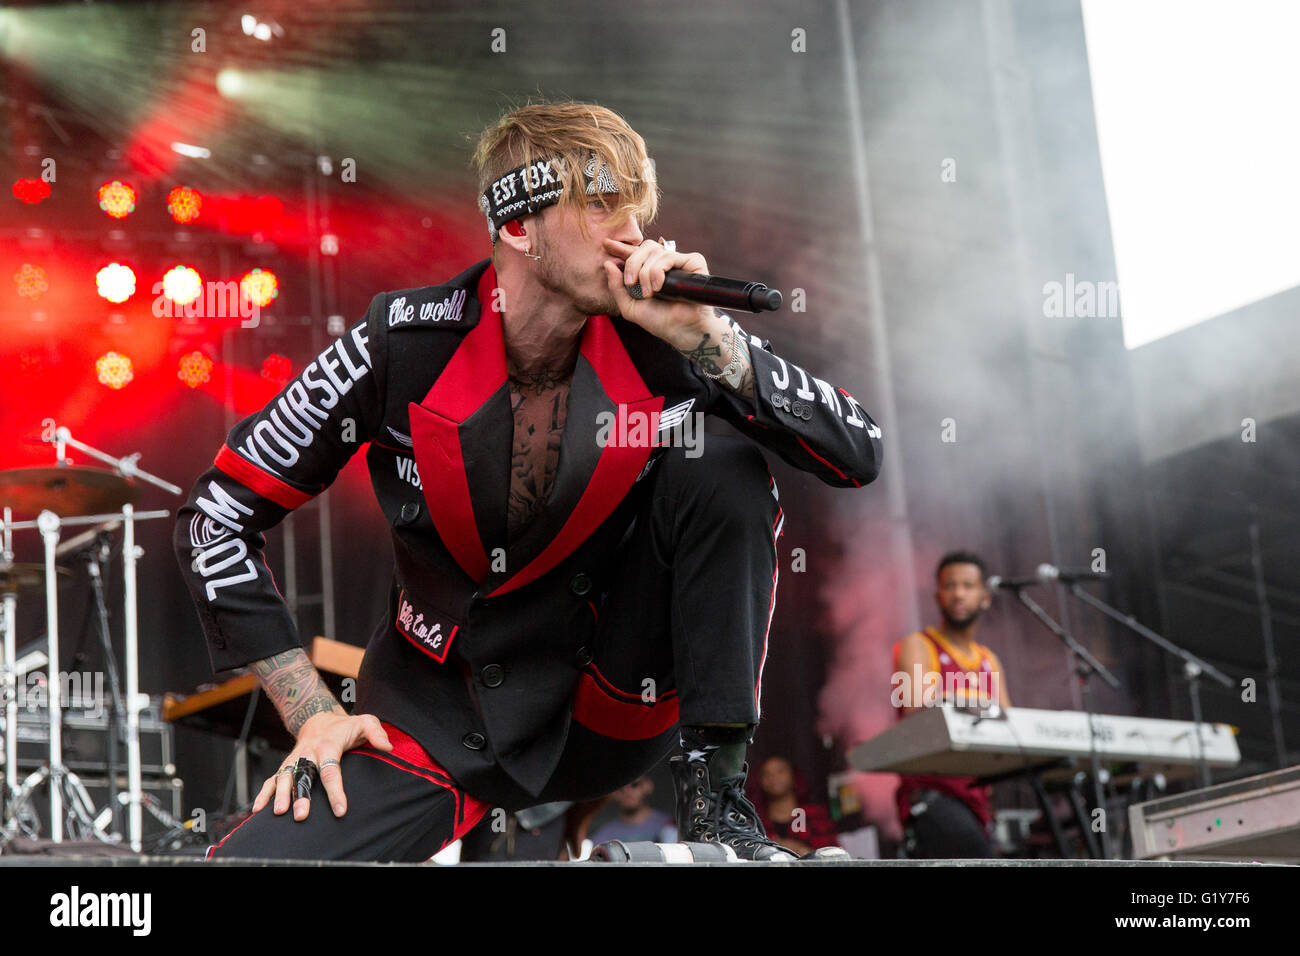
<point x="727" y="816"/>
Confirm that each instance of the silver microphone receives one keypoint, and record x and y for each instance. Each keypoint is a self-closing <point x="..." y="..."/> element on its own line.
<point x="999" y="583"/>
<point x="1050" y="572"/>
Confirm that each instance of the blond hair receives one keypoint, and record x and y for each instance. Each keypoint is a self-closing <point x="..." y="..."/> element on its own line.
<point x="571" y="132"/>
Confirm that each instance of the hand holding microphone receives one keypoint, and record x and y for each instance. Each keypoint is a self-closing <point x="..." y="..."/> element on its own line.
<point x="734" y="294"/>
<point x="668" y="274"/>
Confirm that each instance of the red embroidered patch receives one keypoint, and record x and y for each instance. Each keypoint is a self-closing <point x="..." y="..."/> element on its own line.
<point x="430" y="631"/>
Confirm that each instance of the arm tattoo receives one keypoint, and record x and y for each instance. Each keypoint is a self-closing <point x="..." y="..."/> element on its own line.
<point x="294" y="686"/>
<point x="714" y="358"/>
<point x="703" y="353"/>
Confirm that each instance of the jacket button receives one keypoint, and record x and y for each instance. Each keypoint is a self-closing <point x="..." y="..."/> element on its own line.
<point x="474" y="741"/>
<point x="493" y="675"/>
<point x="580" y="584"/>
<point x="583" y="657"/>
<point x="410" y="511"/>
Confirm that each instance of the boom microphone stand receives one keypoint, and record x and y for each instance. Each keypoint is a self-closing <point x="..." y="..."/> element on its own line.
<point x="1085" y="666"/>
<point x="1193" y="668"/>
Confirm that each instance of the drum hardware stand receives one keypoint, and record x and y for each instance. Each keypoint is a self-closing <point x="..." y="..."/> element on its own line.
<point x="237" y="779"/>
<point x="96" y="558"/>
<point x="179" y="832"/>
<point x="126" y="467"/>
<point x="1193" y="669"/>
<point x="80" y="808"/>
<point x="8" y="671"/>
<point x="49" y="525"/>
<point x="1085" y="667"/>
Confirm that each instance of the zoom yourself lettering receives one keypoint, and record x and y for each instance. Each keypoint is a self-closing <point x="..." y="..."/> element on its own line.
<point x="297" y="416"/>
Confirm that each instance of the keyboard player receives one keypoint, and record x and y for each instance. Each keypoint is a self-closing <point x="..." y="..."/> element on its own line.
<point x="948" y="817"/>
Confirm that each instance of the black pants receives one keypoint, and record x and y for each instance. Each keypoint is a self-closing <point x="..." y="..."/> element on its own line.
<point x="681" y="638"/>
<point x="941" y="827"/>
<point x="402" y="808"/>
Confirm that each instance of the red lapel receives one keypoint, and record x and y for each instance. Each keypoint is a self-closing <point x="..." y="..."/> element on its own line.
<point x="590" y="483"/>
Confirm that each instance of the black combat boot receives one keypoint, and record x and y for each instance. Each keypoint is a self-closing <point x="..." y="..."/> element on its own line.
<point x="709" y="783"/>
<point x="717" y="811"/>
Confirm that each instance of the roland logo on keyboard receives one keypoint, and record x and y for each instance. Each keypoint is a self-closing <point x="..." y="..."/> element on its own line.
<point x="1058" y="730"/>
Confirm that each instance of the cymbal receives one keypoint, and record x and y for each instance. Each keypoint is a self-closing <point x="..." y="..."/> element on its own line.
<point x="67" y="491"/>
<point x="29" y="577"/>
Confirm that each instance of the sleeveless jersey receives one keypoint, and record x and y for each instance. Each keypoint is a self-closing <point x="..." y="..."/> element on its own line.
<point x="977" y="666"/>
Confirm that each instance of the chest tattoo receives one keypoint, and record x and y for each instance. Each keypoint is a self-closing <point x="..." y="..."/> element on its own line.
<point x="540" y="406"/>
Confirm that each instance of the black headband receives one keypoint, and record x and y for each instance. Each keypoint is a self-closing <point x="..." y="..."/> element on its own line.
<point x="535" y="186"/>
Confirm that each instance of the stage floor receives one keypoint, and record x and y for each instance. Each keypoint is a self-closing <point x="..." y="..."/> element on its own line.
<point x="164" y="861"/>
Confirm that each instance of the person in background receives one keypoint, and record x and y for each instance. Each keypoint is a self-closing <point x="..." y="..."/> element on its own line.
<point x="636" y="819"/>
<point x="789" y="815"/>
<point x="948" y="817"/>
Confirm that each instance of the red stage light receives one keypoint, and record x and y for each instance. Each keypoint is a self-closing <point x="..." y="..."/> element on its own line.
<point x="31" y="191"/>
<point x="115" y="282"/>
<point x="114" y="370"/>
<point x="277" y="369"/>
<point x="31" y="281"/>
<point x="260" y="287"/>
<point x="182" y="285"/>
<point x="253" y="216"/>
<point x="184" y="204"/>
<point x="195" y="369"/>
<point x="117" y="199"/>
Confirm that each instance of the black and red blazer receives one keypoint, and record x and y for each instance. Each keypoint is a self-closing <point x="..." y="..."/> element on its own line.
<point x="421" y="384"/>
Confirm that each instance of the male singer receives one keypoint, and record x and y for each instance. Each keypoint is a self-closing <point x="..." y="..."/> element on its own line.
<point x="574" y="594"/>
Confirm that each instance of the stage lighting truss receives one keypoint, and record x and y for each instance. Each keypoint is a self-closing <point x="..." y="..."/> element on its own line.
<point x="182" y="285"/>
<point x="194" y="369"/>
<point x="277" y="369"/>
<point x="117" y="199"/>
<point x="184" y="204"/>
<point x="260" y="287"/>
<point x="114" y="370"/>
<point x="115" y="282"/>
<point x="31" y="281"/>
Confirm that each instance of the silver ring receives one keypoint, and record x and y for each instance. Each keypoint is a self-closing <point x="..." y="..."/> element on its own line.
<point x="283" y="770"/>
<point x="328" y="763"/>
